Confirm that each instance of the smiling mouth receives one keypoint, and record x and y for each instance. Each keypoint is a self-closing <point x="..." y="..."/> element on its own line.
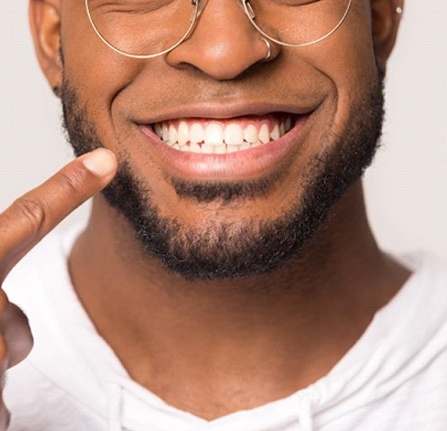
<point x="221" y="136"/>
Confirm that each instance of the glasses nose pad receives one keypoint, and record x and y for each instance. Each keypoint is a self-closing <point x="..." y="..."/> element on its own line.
<point x="248" y="9"/>
<point x="199" y="5"/>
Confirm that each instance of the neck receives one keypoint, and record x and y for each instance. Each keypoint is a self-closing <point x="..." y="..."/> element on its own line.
<point x="311" y="311"/>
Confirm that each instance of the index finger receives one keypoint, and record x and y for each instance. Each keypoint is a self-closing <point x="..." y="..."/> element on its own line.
<point x="36" y="213"/>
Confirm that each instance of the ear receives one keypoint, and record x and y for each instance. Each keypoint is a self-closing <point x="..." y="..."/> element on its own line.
<point x="45" y="24"/>
<point x="386" y="15"/>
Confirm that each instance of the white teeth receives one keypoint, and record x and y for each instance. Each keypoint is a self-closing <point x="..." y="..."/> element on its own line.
<point x="275" y="133"/>
<point x="234" y="135"/>
<point x="183" y="135"/>
<point x="220" y="149"/>
<point x="264" y="134"/>
<point x="213" y="134"/>
<point x="195" y="147"/>
<point x="207" y="149"/>
<point x="165" y="132"/>
<point x="233" y="148"/>
<point x="196" y="133"/>
<point x="251" y="134"/>
<point x="172" y="134"/>
<point x="219" y="137"/>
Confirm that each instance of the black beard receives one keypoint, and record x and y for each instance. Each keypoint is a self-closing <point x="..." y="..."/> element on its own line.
<point x="225" y="250"/>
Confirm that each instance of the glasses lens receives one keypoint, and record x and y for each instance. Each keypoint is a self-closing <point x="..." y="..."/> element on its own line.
<point x="142" y="27"/>
<point x="298" y="22"/>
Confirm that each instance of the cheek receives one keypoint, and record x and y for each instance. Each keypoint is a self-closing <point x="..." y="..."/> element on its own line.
<point x="94" y="72"/>
<point x="89" y="65"/>
<point x="348" y="63"/>
<point x="351" y="55"/>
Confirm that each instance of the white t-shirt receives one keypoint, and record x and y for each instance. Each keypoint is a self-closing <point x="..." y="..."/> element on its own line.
<point x="393" y="379"/>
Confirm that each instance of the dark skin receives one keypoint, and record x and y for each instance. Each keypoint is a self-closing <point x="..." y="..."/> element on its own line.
<point x="242" y="342"/>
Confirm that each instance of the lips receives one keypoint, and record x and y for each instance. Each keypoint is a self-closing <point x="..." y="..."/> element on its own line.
<point x="216" y="151"/>
<point x="221" y="136"/>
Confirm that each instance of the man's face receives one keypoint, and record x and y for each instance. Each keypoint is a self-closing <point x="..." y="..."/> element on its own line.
<point x="243" y="212"/>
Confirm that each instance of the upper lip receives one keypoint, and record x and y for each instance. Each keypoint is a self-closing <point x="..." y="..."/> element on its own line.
<point x="224" y="110"/>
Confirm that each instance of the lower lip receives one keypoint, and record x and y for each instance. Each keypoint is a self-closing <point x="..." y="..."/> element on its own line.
<point x="243" y="164"/>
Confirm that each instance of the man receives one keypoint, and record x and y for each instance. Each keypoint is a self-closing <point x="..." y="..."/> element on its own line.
<point x="227" y="278"/>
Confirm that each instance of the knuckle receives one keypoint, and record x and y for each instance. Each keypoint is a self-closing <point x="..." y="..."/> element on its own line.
<point x="32" y="210"/>
<point x="73" y="182"/>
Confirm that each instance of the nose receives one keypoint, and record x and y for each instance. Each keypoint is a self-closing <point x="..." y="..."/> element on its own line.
<point x="224" y="43"/>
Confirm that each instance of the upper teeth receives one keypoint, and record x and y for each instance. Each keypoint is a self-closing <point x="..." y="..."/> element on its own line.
<point x="212" y="136"/>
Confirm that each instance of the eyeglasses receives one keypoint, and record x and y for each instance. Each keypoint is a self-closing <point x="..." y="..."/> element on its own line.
<point x="149" y="28"/>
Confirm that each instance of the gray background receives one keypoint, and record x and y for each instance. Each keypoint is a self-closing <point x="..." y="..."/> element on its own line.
<point x="406" y="186"/>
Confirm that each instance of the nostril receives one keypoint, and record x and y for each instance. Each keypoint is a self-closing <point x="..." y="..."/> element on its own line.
<point x="221" y="58"/>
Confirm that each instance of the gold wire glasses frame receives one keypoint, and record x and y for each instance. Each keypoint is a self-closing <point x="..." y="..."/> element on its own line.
<point x="251" y="16"/>
<point x="198" y="7"/>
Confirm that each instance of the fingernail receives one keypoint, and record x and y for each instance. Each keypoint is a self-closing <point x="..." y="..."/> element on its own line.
<point x="101" y="162"/>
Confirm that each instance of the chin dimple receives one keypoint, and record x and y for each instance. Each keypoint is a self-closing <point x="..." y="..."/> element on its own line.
<point x="209" y="136"/>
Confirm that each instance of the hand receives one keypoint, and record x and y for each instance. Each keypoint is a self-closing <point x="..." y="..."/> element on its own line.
<point x="24" y="224"/>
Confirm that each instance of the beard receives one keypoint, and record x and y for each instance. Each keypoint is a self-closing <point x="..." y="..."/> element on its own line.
<point x="227" y="250"/>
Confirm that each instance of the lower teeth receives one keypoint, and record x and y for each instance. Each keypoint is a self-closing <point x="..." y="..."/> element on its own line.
<point x="213" y="149"/>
